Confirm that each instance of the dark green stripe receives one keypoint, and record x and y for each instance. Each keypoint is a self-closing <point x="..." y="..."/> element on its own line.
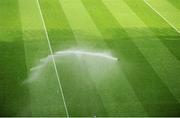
<point x="14" y="97"/>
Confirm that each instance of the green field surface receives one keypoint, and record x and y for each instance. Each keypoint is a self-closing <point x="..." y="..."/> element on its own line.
<point x="89" y="58"/>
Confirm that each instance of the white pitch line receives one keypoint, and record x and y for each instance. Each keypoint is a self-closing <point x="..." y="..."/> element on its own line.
<point x="162" y="17"/>
<point x="54" y="63"/>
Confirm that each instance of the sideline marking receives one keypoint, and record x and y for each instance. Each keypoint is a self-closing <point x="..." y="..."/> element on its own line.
<point x="54" y="63"/>
<point x="162" y="16"/>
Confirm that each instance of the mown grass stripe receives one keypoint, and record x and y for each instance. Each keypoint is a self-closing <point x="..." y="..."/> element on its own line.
<point x="88" y="38"/>
<point x="112" y="36"/>
<point x="36" y="48"/>
<point x="60" y="33"/>
<point x="84" y="30"/>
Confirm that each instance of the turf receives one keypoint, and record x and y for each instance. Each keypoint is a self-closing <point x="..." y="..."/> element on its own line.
<point x="143" y="82"/>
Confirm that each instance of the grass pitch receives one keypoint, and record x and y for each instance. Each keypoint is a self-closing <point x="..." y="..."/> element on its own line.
<point x="107" y="58"/>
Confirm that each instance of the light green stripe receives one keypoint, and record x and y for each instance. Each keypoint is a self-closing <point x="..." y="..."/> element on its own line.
<point x="84" y="29"/>
<point x="116" y="41"/>
<point x="78" y="17"/>
<point x="42" y="82"/>
<point x="30" y="16"/>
